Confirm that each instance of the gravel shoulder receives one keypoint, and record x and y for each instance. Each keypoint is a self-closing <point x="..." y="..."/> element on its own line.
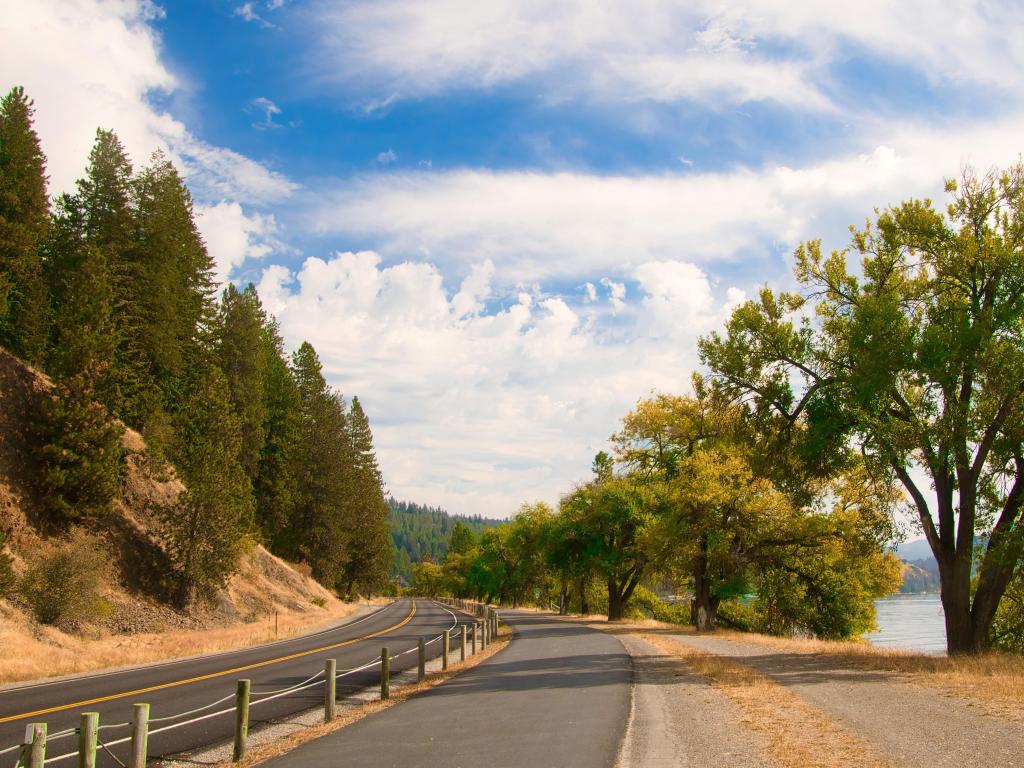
<point x="910" y="724"/>
<point x="678" y="719"/>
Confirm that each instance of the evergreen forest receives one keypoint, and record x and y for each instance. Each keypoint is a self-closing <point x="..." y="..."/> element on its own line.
<point x="109" y="290"/>
<point x="422" y="534"/>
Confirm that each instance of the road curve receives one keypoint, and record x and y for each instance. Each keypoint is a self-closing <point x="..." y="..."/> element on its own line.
<point x="175" y="687"/>
<point x="558" y="696"/>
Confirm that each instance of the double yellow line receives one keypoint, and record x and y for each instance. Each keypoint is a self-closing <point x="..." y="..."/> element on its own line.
<point x="210" y="676"/>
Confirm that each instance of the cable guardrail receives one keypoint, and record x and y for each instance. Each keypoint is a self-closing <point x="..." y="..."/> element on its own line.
<point x="36" y="740"/>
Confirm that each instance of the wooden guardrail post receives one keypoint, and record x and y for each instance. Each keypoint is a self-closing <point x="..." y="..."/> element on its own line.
<point x="140" y="736"/>
<point x="474" y="639"/>
<point x="445" y="650"/>
<point x="385" y="674"/>
<point x="485" y="624"/>
<point x="330" y="688"/>
<point x="35" y="745"/>
<point x="88" y="732"/>
<point x="241" y="719"/>
<point x="421" y="667"/>
<point x="462" y="651"/>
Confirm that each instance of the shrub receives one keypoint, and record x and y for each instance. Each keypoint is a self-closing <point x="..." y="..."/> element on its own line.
<point x="62" y="587"/>
<point x="319" y="602"/>
<point x="646" y="604"/>
<point x="1007" y="631"/>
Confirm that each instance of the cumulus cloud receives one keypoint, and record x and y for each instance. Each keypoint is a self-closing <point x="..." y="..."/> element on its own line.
<point x="233" y="237"/>
<point x="387" y="157"/>
<point x="479" y="411"/>
<point x="659" y="50"/>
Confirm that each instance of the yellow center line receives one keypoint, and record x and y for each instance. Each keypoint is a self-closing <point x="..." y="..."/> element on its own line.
<point x="212" y="675"/>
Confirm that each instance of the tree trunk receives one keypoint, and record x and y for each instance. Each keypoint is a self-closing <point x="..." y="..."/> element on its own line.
<point x="955" y="586"/>
<point x="704" y="605"/>
<point x="563" y="599"/>
<point x="584" y="605"/>
<point x="615" y="603"/>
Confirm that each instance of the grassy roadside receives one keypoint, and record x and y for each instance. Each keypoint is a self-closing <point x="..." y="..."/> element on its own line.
<point x="34" y="653"/>
<point x="353" y="714"/>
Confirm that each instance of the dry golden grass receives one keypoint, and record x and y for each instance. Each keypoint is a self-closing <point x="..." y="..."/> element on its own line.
<point x="345" y="718"/>
<point x="33" y="653"/>
<point x="798" y="735"/>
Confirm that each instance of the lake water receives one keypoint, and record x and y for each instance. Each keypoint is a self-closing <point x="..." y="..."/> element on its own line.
<point x="910" y="621"/>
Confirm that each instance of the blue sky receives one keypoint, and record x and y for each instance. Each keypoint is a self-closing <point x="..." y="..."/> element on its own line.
<point x="503" y="223"/>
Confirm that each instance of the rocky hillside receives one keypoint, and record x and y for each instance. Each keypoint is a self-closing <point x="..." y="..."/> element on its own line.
<point x="136" y="591"/>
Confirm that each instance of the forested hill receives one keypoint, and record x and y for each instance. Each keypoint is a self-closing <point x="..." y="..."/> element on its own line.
<point x="420" y="532"/>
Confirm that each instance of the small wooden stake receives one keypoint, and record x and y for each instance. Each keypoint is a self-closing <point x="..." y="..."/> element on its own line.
<point x="462" y="654"/>
<point x="140" y="736"/>
<point x="330" y="688"/>
<point x="385" y="675"/>
<point x="35" y="740"/>
<point x="88" y="731"/>
<point x="445" y="646"/>
<point x="241" y="719"/>
<point x="421" y="669"/>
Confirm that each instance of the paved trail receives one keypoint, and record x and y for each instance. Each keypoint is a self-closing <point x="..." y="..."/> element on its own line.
<point x="558" y="697"/>
<point x="913" y="725"/>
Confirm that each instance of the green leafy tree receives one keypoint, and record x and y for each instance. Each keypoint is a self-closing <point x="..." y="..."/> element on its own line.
<point x="611" y="514"/>
<point x="211" y="524"/>
<point x="461" y="541"/>
<point x="918" y="359"/>
<point x="24" y="218"/>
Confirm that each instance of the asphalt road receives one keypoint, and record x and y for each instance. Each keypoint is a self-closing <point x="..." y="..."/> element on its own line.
<point x="177" y="687"/>
<point x="558" y="695"/>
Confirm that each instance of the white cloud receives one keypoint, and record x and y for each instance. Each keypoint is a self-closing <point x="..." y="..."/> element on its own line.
<point x="475" y="411"/>
<point x="540" y="227"/>
<point x="616" y="293"/>
<point x="387" y="157"/>
<point x="659" y="50"/>
<point x="248" y="13"/>
<point x="95" y="63"/>
<point x="268" y="109"/>
<point x="232" y="237"/>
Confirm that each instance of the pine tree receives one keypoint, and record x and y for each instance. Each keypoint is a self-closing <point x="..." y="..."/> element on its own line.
<point x="76" y="448"/>
<point x="76" y="444"/>
<point x="241" y="353"/>
<point x="211" y="524"/>
<point x="101" y="215"/>
<point x="24" y="217"/>
<point x="170" y="314"/>
<point x="367" y="525"/>
<point x="276" y="484"/>
<point x="318" y="526"/>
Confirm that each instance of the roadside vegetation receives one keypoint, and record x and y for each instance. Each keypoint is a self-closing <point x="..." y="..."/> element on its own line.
<point x="768" y="494"/>
<point x="111" y="293"/>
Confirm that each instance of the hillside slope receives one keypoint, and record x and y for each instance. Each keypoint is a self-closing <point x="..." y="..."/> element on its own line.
<point x="263" y="585"/>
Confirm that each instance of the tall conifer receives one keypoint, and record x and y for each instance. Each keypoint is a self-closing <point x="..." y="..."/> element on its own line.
<point x="367" y="524"/>
<point x="242" y="355"/>
<point x="211" y="525"/>
<point x="276" y="484"/>
<point x="325" y="460"/>
<point x="24" y="217"/>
